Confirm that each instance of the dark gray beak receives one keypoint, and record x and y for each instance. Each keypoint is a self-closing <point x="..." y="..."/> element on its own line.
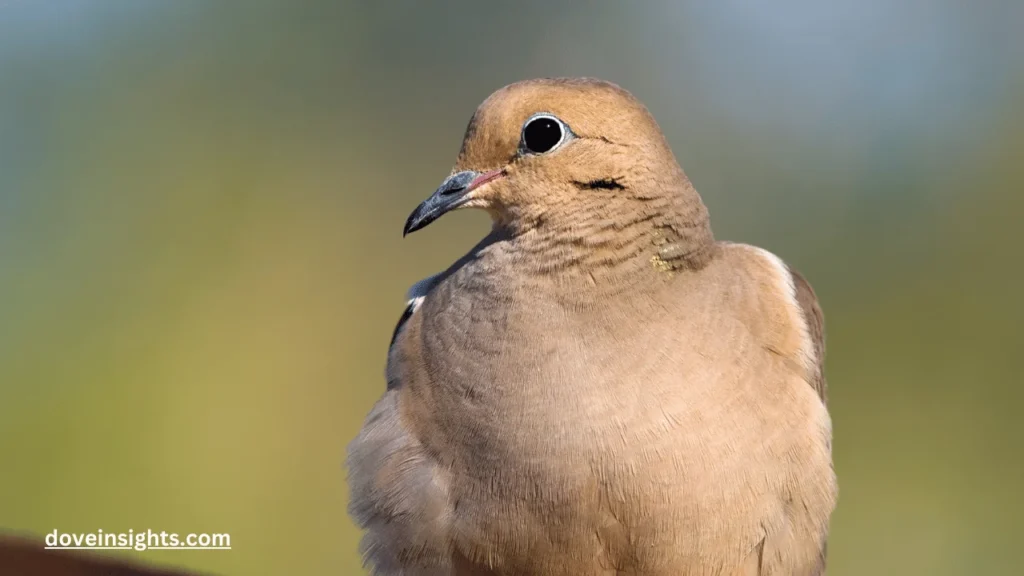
<point x="452" y="193"/>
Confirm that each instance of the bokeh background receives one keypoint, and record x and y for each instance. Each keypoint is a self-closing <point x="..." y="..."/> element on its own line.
<point x="201" y="257"/>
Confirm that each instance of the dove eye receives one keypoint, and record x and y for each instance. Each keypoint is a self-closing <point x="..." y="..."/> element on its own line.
<point x="542" y="133"/>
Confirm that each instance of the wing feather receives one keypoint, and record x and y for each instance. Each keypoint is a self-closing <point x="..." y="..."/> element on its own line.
<point x="815" y="320"/>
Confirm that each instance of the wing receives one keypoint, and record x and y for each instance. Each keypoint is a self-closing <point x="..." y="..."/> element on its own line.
<point x="409" y="309"/>
<point x="397" y="496"/>
<point x="800" y="299"/>
<point x="414" y="299"/>
<point x="807" y="493"/>
<point x="815" y="320"/>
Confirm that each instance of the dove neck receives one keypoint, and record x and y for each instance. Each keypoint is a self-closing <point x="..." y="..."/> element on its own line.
<point x="615" y="242"/>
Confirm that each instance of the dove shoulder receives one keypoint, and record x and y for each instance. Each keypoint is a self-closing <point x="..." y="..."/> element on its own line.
<point x="815" y="319"/>
<point x="789" y="318"/>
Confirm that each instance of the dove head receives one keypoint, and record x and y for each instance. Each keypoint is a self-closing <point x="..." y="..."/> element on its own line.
<point x="574" y="163"/>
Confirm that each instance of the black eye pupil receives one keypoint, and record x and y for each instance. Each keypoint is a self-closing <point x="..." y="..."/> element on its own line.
<point x="541" y="135"/>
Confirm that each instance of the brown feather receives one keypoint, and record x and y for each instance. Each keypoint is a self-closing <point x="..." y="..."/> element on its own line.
<point x="815" y="319"/>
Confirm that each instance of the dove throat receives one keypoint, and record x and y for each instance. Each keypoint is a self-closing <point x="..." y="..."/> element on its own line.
<point x="607" y="242"/>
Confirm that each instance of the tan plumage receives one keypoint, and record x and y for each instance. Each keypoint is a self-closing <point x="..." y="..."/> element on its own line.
<point x="598" y="387"/>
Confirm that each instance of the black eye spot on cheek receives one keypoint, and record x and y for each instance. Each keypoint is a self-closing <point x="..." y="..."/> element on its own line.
<point x="602" y="184"/>
<point x="542" y="134"/>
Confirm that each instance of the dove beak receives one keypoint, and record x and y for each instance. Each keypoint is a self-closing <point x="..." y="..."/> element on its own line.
<point x="451" y="194"/>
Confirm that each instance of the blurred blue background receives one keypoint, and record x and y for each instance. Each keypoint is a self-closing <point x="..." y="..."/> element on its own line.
<point x="201" y="257"/>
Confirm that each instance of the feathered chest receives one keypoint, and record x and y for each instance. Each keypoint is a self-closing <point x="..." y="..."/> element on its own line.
<point x="499" y="371"/>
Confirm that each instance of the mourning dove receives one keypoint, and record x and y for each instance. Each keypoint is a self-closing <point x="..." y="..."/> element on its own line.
<point x="598" y="387"/>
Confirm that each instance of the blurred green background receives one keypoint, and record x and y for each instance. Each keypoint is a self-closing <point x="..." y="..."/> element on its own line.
<point x="201" y="258"/>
